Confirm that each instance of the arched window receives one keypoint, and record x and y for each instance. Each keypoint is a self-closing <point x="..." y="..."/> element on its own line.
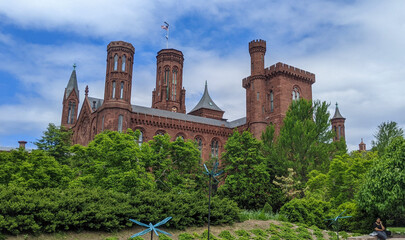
<point x="271" y="101"/>
<point x="72" y="115"/>
<point x="69" y="112"/>
<point x="295" y="94"/>
<point x="214" y="148"/>
<point x="339" y="132"/>
<point x="174" y="84"/>
<point x="199" y="144"/>
<point x="180" y="136"/>
<point x="124" y="59"/>
<point x="113" y="89"/>
<point x="166" y="79"/>
<point x="120" y="118"/>
<point x="160" y="132"/>
<point x="122" y="90"/>
<point x="258" y="96"/>
<point x="140" y="139"/>
<point x="115" y="62"/>
<point x="102" y="124"/>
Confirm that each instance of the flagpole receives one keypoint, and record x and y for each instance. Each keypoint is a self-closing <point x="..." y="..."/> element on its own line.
<point x="167" y="37"/>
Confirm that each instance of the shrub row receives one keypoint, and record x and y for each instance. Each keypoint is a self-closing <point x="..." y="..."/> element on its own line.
<point x="51" y="210"/>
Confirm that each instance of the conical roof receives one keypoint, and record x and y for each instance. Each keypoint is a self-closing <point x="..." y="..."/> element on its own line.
<point x="206" y="101"/>
<point x="72" y="84"/>
<point x="337" y="113"/>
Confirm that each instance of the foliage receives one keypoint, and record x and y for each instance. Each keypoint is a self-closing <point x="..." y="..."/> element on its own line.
<point x="110" y="161"/>
<point x="383" y="192"/>
<point x="310" y="211"/>
<point x="386" y="132"/>
<point x="289" y="185"/>
<point x="246" y="169"/>
<point x="56" y="141"/>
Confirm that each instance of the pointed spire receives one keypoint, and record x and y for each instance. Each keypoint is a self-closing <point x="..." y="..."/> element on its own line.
<point x="72" y="84"/>
<point x="86" y="91"/>
<point x="337" y="113"/>
<point x="206" y="101"/>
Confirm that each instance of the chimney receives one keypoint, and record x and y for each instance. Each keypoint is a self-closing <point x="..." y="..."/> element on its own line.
<point x="22" y="144"/>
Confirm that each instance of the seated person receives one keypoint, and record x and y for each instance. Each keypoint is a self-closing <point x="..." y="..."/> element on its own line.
<point x="379" y="229"/>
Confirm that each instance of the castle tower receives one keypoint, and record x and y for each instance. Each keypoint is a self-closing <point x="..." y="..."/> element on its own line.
<point x="169" y="93"/>
<point x="255" y="86"/>
<point x="362" y="146"/>
<point x="206" y="107"/>
<point x="338" y="125"/>
<point x="70" y="101"/>
<point x="118" y="80"/>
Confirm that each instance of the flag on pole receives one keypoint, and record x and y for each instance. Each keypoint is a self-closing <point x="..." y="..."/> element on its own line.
<point x="165" y="27"/>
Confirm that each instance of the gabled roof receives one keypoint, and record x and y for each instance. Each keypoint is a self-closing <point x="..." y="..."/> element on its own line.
<point x="72" y="85"/>
<point x="337" y="113"/>
<point x="206" y="101"/>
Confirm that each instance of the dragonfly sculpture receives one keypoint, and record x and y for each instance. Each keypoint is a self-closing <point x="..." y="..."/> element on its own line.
<point x="212" y="175"/>
<point x="335" y="222"/>
<point x="151" y="228"/>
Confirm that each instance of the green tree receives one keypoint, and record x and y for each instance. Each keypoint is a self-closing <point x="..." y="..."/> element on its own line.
<point x="305" y="138"/>
<point x="383" y="191"/>
<point x="56" y="141"/>
<point x="386" y="132"/>
<point x="111" y="161"/>
<point x="248" y="181"/>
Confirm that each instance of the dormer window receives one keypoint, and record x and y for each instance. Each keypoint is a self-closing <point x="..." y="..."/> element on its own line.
<point x="115" y="62"/>
<point x="123" y="63"/>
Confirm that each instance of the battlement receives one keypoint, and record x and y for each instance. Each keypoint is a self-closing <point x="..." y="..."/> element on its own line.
<point x="118" y="44"/>
<point x="257" y="44"/>
<point x="170" y="55"/>
<point x="290" y="70"/>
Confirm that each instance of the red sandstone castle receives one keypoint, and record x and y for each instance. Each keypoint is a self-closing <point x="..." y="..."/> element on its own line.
<point x="269" y="92"/>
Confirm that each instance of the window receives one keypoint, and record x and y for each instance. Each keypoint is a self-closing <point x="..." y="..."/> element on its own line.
<point x="167" y="73"/>
<point x="199" y="144"/>
<point x="160" y="132"/>
<point x="339" y="132"/>
<point x="113" y="89"/>
<point x="115" y="62"/>
<point x="253" y="85"/>
<point x="214" y="148"/>
<point x="271" y="101"/>
<point x="295" y="94"/>
<point x="120" y="123"/>
<point x="174" y="109"/>
<point x="102" y="124"/>
<point x="258" y="96"/>
<point x="166" y="79"/>
<point x="124" y="59"/>
<point x="122" y="90"/>
<point x="71" y="112"/>
<point x="140" y="139"/>
<point x="174" y="84"/>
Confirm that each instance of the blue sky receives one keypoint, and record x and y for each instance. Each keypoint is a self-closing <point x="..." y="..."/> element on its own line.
<point x="355" y="48"/>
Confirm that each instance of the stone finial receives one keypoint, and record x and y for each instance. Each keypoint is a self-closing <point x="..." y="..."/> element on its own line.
<point x="86" y="91"/>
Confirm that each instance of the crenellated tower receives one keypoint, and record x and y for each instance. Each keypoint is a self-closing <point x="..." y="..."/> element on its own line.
<point x="70" y="101"/>
<point x="255" y="86"/>
<point x="169" y="93"/>
<point x="118" y="80"/>
<point x="338" y="125"/>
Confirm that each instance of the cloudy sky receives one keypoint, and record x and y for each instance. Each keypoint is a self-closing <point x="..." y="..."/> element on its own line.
<point x="355" y="48"/>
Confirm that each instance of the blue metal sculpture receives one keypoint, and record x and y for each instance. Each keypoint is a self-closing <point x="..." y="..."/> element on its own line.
<point x="335" y="222"/>
<point x="211" y="174"/>
<point x="151" y="228"/>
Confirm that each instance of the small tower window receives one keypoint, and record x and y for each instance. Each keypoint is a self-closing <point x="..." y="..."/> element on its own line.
<point x="214" y="148"/>
<point x="122" y="90"/>
<point x="69" y="112"/>
<point x="102" y="124"/>
<point x="166" y="76"/>
<point x="124" y="58"/>
<point x="271" y="101"/>
<point x="113" y="89"/>
<point x="115" y="62"/>
<point x="174" y="84"/>
<point x="258" y="96"/>
<point x="120" y="117"/>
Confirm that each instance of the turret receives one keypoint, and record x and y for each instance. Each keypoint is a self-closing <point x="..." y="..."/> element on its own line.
<point x="338" y="125"/>
<point x="169" y="93"/>
<point x="70" y="101"/>
<point x="118" y="81"/>
<point x="256" y="89"/>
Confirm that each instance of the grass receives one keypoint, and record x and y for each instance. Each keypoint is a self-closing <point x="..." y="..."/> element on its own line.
<point x="259" y="215"/>
<point x="248" y="230"/>
<point x="397" y="230"/>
